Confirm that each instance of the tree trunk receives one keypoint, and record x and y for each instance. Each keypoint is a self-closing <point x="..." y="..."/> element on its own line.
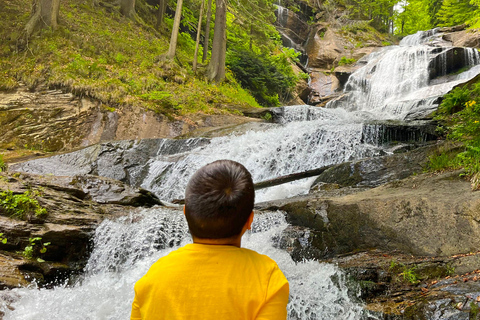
<point x="207" y="31"/>
<point x="162" y="7"/>
<point x="290" y="178"/>
<point x="197" y="43"/>
<point x="44" y="14"/>
<point x="127" y="8"/>
<point x="176" y="26"/>
<point x="216" y="67"/>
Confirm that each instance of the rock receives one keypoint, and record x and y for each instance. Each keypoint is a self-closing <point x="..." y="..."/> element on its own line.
<point x="433" y="215"/>
<point x="448" y="61"/>
<point x="435" y="290"/>
<point x="121" y="160"/>
<point x="294" y="30"/>
<point x="109" y="191"/>
<point x="464" y="38"/>
<point x="75" y="206"/>
<point x="323" y="47"/>
<point x="51" y="120"/>
<point x="373" y="172"/>
<point x="323" y="87"/>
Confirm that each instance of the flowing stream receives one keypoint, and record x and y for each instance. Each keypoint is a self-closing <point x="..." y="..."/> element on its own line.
<point x="397" y="83"/>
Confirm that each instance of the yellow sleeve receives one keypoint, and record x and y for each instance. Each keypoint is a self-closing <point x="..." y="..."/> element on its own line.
<point x="135" y="315"/>
<point x="275" y="307"/>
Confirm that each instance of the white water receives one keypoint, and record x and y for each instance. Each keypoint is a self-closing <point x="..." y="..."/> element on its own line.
<point x="396" y="81"/>
<point x="126" y="248"/>
<point x="333" y="137"/>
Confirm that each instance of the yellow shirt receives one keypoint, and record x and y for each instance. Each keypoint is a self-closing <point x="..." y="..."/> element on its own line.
<point x="217" y="282"/>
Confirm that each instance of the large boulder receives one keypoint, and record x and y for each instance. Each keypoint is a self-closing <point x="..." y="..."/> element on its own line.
<point x="323" y="86"/>
<point x="463" y="38"/>
<point x="324" y="48"/>
<point x="428" y="214"/>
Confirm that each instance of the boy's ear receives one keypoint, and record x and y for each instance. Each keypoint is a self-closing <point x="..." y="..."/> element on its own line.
<point x="249" y="221"/>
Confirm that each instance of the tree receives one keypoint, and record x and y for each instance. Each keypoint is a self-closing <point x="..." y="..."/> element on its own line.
<point x="207" y="31"/>
<point x="197" y="42"/>
<point x="176" y="26"/>
<point x="216" y="67"/>
<point x="455" y="12"/>
<point x="412" y="17"/>
<point x="127" y="8"/>
<point x="44" y="14"/>
<point x="162" y="7"/>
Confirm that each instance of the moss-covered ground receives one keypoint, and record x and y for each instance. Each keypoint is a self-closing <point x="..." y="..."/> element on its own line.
<point x="99" y="53"/>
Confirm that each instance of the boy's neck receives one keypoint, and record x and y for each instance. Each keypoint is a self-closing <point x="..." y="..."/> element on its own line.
<point x="233" y="241"/>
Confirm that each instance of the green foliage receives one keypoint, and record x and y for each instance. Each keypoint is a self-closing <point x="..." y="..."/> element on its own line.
<point x="3" y="166"/>
<point x="460" y="112"/>
<point x="410" y="275"/>
<point x="34" y="248"/>
<point x="474" y="312"/>
<point x="412" y="17"/>
<point x="3" y="239"/>
<point x="380" y="13"/>
<point x="450" y="270"/>
<point x="455" y="12"/>
<point x="269" y="78"/>
<point x="346" y="61"/>
<point x="99" y="53"/>
<point x="454" y="101"/>
<point x="21" y="206"/>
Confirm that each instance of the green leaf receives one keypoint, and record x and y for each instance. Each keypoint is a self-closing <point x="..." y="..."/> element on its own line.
<point x="40" y="260"/>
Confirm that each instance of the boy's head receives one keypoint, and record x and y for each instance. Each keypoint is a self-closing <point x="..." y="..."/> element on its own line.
<point x="219" y="200"/>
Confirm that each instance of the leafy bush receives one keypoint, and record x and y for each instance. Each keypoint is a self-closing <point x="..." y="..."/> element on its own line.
<point x="268" y="78"/>
<point x="22" y="205"/>
<point x="33" y="249"/>
<point x="460" y="111"/>
<point x="346" y="61"/>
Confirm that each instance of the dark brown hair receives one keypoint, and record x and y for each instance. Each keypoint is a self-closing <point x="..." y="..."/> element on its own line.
<point x="219" y="199"/>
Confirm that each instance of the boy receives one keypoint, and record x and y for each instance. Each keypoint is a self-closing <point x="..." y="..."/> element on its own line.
<point x="213" y="277"/>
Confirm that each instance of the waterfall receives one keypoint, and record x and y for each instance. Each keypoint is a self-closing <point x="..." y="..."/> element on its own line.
<point x="124" y="250"/>
<point x="406" y="81"/>
<point x="397" y="83"/>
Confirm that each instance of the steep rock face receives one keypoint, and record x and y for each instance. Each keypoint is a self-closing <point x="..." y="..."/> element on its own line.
<point x="75" y="206"/>
<point x="292" y="27"/>
<point x="51" y="120"/>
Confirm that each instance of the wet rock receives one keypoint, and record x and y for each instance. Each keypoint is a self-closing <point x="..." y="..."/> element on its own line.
<point x="373" y="172"/>
<point x="126" y="161"/>
<point x="323" y="87"/>
<point x="293" y="29"/>
<point x="448" y="61"/>
<point x="75" y="206"/>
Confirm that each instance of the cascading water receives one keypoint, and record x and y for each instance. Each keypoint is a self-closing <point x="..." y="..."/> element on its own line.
<point x="397" y="83"/>
<point x="127" y="247"/>
<point x="405" y="81"/>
